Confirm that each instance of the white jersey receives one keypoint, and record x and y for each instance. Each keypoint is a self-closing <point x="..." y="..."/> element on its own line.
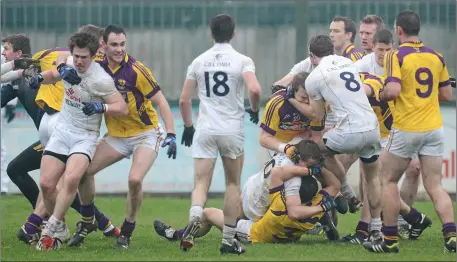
<point x="336" y="80"/>
<point x="95" y="84"/>
<point x="257" y="187"/>
<point x="303" y="66"/>
<point x="219" y="75"/>
<point x="368" y="64"/>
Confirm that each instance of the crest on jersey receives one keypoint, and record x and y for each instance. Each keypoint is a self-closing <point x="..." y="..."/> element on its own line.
<point x="218" y="56"/>
<point x="121" y="83"/>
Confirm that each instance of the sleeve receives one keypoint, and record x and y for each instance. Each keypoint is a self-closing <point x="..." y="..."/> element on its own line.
<point x="248" y="65"/>
<point x="292" y="186"/>
<point x="355" y="56"/>
<point x="270" y="119"/>
<point x="444" y="75"/>
<point x="7" y="67"/>
<point x="10" y="76"/>
<point x="375" y="83"/>
<point x="392" y="67"/>
<point x="145" y="81"/>
<point x="303" y="66"/>
<point x="13" y="102"/>
<point x="105" y="87"/>
<point x="7" y="94"/>
<point x="362" y="66"/>
<point x="312" y="85"/>
<point x="191" y="71"/>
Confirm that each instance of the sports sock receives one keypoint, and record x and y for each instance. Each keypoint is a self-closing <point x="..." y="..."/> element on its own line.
<point x="76" y="205"/>
<point x="347" y="191"/>
<point x="88" y="213"/>
<point x="413" y="217"/>
<point x="33" y="224"/>
<point x="103" y="221"/>
<point x="179" y="233"/>
<point x="390" y="235"/>
<point x="195" y="211"/>
<point x="401" y="221"/>
<point x="127" y="228"/>
<point x="449" y="230"/>
<point x="362" y="227"/>
<point x="228" y="232"/>
<point x="375" y="224"/>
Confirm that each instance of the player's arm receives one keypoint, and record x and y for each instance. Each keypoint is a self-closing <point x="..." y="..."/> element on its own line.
<point x="314" y="110"/>
<point x="297" y="211"/>
<point x="270" y="124"/>
<point x="11" y="76"/>
<point x="252" y="85"/>
<point x="188" y="91"/>
<point x="392" y="73"/>
<point x="445" y="88"/>
<point x="297" y="68"/>
<point x="165" y="112"/>
<point x="7" y="94"/>
<point x="116" y="105"/>
<point x="114" y="102"/>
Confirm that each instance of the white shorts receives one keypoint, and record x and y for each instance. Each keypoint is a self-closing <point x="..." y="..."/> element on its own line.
<point x="243" y="230"/>
<point x="208" y="145"/>
<point x="254" y="207"/>
<point x="330" y="119"/>
<point x="47" y="126"/>
<point x="408" y="144"/>
<point x="366" y="144"/>
<point x="66" y="142"/>
<point x="127" y="145"/>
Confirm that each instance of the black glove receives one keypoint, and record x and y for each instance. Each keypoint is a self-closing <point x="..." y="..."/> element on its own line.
<point x="68" y="74"/>
<point x="290" y="92"/>
<point x="276" y="88"/>
<point x="188" y="136"/>
<point x="10" y="113"/>
<point x="24" y="63"/>
<point x="91" y="108"/>
<point x="292" y="153"/>
<point x="170" y="141"/>
<point x="254" y="115"/>
<point x="327" y="202"/>
<point x="314" y="170"/>
<point x="452" y="79"/>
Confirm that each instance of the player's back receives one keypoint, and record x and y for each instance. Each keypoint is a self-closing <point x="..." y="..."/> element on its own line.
<point x="420" y="71"/>
<point x="340" y="86"/>
<point x="50" y="95"/>
<point x="219" y="75"/>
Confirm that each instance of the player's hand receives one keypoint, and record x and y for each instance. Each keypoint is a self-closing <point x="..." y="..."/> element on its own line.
<point x="35" y="80"/>
<point x="10" y="113"/>
<point x="292" y="153"/>
<point x="314" y="170"/>
<point x="290" y="92"/>
<point x="188" y="136"/>
<point x="276" y="88"/>
<point x="24" y="63"/>
<point x="170" y="141"/>
<point x="327" y="202"/>
<point x="453" y="84"/>
<point x="68" y="74"/>
<point x="93" y="108"/>
<point x="254" y="115"/>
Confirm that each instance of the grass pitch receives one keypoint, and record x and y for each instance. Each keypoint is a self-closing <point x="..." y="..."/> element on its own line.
<point x="146" y="245"/>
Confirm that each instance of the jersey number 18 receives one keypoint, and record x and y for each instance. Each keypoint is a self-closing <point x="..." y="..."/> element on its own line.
<point x="220" y="87"/>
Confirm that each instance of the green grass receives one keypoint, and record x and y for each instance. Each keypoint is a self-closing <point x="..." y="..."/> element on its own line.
<point x="146" y="245"/>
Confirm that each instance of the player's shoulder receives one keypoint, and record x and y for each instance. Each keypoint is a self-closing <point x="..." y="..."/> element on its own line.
<point x="277" y="97"/>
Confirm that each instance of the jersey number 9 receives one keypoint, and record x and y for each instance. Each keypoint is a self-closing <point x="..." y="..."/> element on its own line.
<point x="220" y="87"/>
<point x="428" y="81"/>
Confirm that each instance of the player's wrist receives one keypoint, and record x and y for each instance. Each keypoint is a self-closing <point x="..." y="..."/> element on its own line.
<point x="60" y="66"/>
<point x="282" y="147"/>
<point x="171" y="135"/>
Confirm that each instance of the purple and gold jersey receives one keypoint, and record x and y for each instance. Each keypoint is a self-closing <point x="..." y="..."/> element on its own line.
<point x="421" y="72"/>
<point x="283" y="121"/>
<point x="382" y="109"/>
<point x="137" y="85"/>
<point x="353" y="53"/>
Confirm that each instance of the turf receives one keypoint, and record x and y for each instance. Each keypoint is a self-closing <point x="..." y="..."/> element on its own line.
<point x="146" y="245"/>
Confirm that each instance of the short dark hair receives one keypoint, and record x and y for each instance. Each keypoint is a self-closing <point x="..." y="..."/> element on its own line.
<point x="222" y="28"/>
<point x="373" y="19"/>
<point x="308" y="189"/>
<point x="91" y="29"/>
<point x="299" y="81"/>
<point x="409" y="21"/>
<point x="349" y="26"/>
<point x="83" y="40"/>
<point x="117" y="29"/>
<point x="308" y="149"/>
<point x="19" y="42"/>
<point x="383" y="36"/>
<point x="321" y="45"/>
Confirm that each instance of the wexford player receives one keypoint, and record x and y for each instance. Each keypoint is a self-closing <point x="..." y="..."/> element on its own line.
<point x="219" y="75"/>
<point x="343" y="33"/>
<point x="335" y="81"/>
<point x="417" y="78"/>
<point x="72" y="145"/>
<point x="138" y="134"/>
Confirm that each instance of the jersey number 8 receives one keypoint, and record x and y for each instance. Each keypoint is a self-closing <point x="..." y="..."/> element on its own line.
<point x="350" y="83"/>
<point x="220" y="87"/>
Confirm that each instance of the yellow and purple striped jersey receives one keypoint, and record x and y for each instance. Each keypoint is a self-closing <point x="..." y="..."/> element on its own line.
<point x="276" y="226"/>
<point x="353" y="53"/>
<point x="283" y="121"/>
<point x="50" y="94"/>
<point x="421" y="72"/>
<point x="137" y="85"/>
<point x="382" y="109"/>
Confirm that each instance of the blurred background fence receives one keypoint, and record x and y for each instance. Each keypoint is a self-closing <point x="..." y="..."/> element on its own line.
<point x="167" y="34"/>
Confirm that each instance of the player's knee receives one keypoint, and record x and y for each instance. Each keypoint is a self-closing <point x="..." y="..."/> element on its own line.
<point x="135" y="182"/>
<point x="47" y="185"/>
<point x="413" y="170"/>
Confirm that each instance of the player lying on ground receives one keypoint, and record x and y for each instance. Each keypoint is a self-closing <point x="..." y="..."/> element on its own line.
<point x="287" y="216"/>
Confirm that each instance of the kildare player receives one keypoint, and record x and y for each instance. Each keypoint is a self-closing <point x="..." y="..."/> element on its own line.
<point x="72" y="145"/>
<point x="219" y="75"/>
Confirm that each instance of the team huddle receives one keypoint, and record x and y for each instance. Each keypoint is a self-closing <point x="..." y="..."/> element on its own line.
<point x="341" y="104"/>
